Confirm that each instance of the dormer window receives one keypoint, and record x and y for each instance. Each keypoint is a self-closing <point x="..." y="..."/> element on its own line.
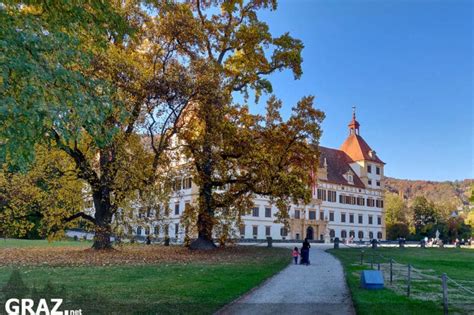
<point x="349" y="176"/>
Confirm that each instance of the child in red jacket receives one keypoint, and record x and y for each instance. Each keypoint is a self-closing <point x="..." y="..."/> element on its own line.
<point x="295" y="253"/>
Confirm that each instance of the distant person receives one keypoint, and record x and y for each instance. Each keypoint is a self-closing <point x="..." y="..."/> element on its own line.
<point x="295" y="253"/>
<point x="305" y="252"/>
<point x="148" y="240"/>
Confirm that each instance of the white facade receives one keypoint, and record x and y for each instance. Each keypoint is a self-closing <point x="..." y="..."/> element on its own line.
<point x="349" y="202"/>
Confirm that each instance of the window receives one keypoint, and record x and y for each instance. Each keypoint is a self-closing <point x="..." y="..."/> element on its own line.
<point x="331" y="216"/>
<point x="332" y="233"/>
<point x="331" y="196"/>
<point x="312" y="215"/>
<point x="370" y="220"/>
<point x="156" y="230"/>
<point x="268" y="212"/>
<point x="242" y="231"/>
<point x="176" y="229"/>
<point x="352" y="234"/>
<point x="321" y="215"/>
<point x="361" y="234"/>
<point x="147" y="230"/>
<point x="255" y="231"/>
<point x="379" y="235"/>
<point x="343" y="217"/>
<point x="343" y="234"/>
<point x="148" y="212"/>
<point x="167" y="230"/>
<point x="361" y="219"/>
<point x="321" y="194"/>
<point x="371" y="235"/>
<point x="176" y="209"/>
<point x="268" y="230"/>
<point x="187" y="183"/>
<point x="350" y="200"/>
<point x="351" y="218"/>
<point x="369" y="168"/>
<point x="378" y="183"/>
<point x="377" y="170"/>
<point x="284" y="231"/>
<point x="139" y="230"/>
<point x="255" y="212"/>
<point x="177" y="184"/>
<point x="370" y="182"/>
<point x="370" y="202"/>
<point x="297" y="214"/>
<point x="379" y="203"/>
<point x="341" y="199"/>
<point x="360" y="201"/>
<point x="379" y="220"/>
<point x="350" y="179"/>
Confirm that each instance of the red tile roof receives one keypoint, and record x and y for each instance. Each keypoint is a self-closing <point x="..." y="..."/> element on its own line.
<point x="357" y="149"/>
<point x="338" y="165"/>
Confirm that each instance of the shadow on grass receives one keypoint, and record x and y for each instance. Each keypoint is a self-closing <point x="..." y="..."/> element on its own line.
<point x="89" y="303"/>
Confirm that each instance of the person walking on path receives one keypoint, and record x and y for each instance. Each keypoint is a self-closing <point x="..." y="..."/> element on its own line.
<point x="305" y="252"/>
<point x="295" y="253"/>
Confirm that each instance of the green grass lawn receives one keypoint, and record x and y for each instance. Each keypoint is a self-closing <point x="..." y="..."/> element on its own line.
<point x="20" y="243"/>
<point x="428" y="266"/>
<point x="195" y="287"/>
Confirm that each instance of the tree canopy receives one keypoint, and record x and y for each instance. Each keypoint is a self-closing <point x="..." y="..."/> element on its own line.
<point x="114" y="84"/>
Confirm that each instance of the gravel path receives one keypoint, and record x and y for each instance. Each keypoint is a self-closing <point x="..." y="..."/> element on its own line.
<point x="319" y="288"/>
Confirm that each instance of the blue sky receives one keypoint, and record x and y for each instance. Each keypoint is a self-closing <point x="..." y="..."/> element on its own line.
<point x="406" y="65"/>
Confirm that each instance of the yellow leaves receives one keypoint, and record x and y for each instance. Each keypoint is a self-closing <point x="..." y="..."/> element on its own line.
<point x="38" y="200"/>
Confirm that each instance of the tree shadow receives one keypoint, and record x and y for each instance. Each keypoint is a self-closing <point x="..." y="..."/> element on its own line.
<point x="92" y="302"/>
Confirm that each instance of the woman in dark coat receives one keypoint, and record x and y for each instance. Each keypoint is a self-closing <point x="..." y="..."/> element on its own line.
<point x="305" y="252"/>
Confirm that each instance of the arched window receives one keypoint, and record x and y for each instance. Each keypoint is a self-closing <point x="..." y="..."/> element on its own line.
<point x="371" y="235"/>
<point x="343" y="234"/>
<point x="361" y="234"/>
<point x="139" y="230"/>
<point x="379" y="235"/>
<point x="332" y="233"/>
<point x="352" y="234"/>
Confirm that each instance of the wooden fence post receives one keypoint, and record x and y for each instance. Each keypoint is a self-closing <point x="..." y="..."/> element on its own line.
<point x="391" y="270"/>
<point x="409" y="280"/>
<point x="444" y="284"/>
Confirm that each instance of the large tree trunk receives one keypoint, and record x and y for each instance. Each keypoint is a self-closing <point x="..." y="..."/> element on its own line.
<point x="103" y="218"/>
<point x="204" y="240"/>
<point x="205" y="221"/>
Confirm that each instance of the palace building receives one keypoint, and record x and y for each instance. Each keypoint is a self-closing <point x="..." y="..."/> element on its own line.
<point x="347" y="200"/>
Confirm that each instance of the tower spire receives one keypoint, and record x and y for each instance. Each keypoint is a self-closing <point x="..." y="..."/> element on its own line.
<point x="354" y="124"/>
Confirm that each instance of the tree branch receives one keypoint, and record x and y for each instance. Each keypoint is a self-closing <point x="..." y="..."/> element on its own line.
<point x="79" y="215"/>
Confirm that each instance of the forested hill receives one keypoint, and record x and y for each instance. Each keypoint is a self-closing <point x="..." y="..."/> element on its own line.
<point x="456" y="193"/>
